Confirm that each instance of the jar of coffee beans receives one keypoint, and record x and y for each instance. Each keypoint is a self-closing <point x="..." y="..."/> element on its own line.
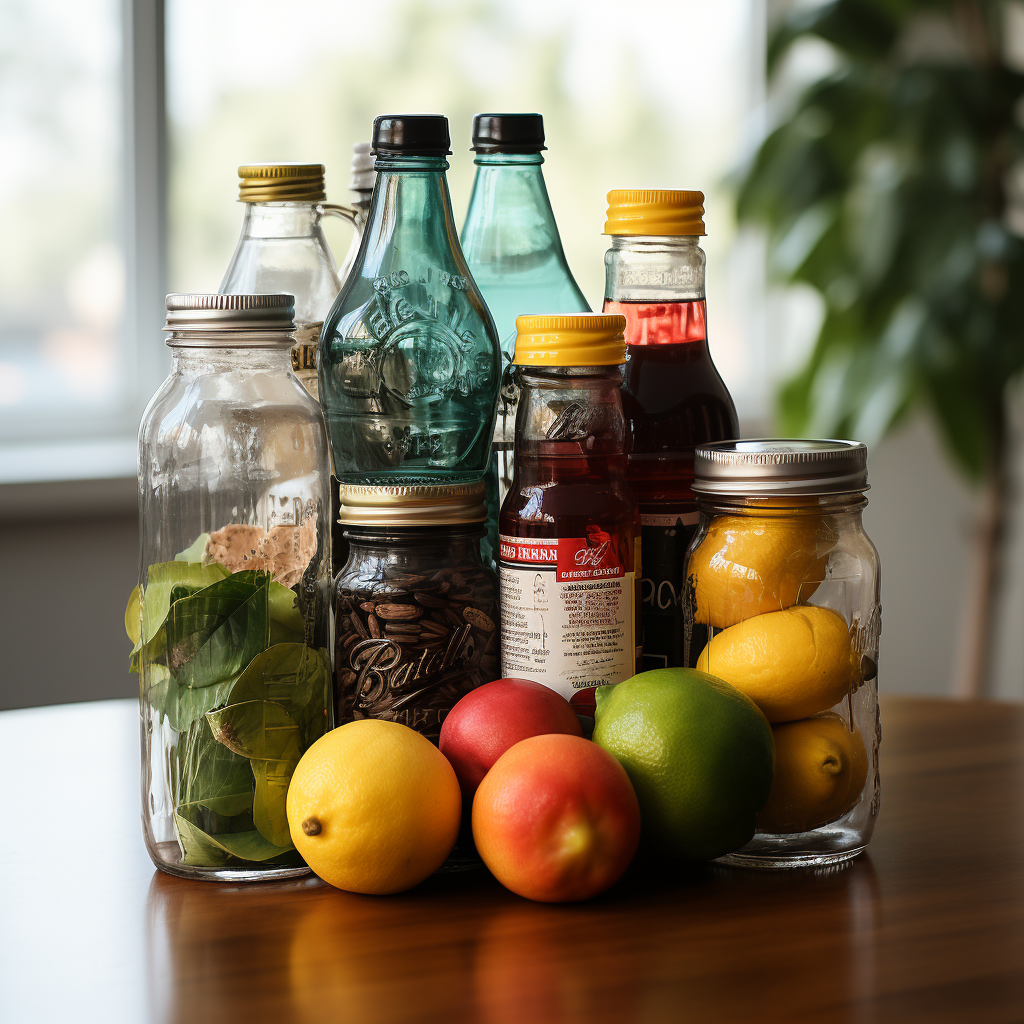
<point x="417" y="610"/>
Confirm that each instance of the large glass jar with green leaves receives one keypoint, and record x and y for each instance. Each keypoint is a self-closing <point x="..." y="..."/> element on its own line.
<point x="231" y="620"/>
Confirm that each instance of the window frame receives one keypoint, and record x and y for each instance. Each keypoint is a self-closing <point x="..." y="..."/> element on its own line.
<point x="102" y="447"/>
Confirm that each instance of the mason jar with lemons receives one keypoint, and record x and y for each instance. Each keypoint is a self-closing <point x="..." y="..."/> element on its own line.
<point x="783" y="601"/>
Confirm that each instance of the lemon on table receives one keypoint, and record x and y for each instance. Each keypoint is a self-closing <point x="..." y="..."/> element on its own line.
<point x="699" y="755"/>
<point x="374" y="807"/>
<point x="820" y="770"/>
<point x="791" y="664"/>
<point x="749" y="565"/>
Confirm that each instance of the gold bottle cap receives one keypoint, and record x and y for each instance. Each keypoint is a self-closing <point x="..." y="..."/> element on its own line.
<point x="583" y="339"/>
<point x="412" y="505"/>
<point x="666" y="211"/>
<point x="281" y="183"/>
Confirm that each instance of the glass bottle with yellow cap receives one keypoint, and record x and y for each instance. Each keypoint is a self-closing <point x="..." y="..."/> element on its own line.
<point x="282" y="248"/>
<point x="409" y="360"/>
<point x="673" y="396"/>
<point x="569" y="545"/>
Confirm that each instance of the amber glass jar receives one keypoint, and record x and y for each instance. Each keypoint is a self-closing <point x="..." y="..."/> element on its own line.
<point x="787" y="585"/>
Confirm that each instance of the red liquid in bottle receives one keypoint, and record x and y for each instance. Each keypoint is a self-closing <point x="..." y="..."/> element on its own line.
<point x="572" y="495"/>
<point x="673" y="399"/>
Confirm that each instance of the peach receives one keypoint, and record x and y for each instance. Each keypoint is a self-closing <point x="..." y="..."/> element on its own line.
<point x="494" y="717"/>
<point x="556" y="819"/>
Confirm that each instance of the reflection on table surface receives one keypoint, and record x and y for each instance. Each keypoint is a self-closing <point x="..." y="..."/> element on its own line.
<point x="461" y="948"/>
<point x="928" y="926"/>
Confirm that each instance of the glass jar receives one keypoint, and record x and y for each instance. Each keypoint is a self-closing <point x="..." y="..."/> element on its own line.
<point x="282" y="248"/>
<point x="787" y="584"/>
<point x="569" y="552"/>
<point x="417" y="610"/>
<point x="231" y="620"/>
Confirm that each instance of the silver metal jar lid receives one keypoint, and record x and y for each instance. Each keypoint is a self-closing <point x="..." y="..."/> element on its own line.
<point x="761" y="467"/>
<point x="214" y="313"/>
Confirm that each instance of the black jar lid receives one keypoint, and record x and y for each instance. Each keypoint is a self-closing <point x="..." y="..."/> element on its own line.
<point x="412" y="505"/>
<point x="508" y="133"/>
<point x="411" y="135"/>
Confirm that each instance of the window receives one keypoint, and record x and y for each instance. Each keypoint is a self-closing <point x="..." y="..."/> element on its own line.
<point x="658" y="93"/>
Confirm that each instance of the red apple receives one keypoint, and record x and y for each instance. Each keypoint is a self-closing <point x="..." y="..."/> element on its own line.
<point x="494" y="717"/>
<point x="556" y="819"/>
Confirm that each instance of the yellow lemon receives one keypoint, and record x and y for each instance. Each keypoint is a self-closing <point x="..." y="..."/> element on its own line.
<point x="374" y="807"/>
<point x="748" y="565"/>
<point x="791" y="664"/>
<point x="820" y="770"/>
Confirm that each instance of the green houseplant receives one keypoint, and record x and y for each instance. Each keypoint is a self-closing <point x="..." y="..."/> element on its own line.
<point x="888" y="188"/>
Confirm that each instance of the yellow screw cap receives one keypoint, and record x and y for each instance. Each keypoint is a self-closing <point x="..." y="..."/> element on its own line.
<point x="281" y="183"/>
<point x="584" y="339"/>
<point x="633" y="211"/>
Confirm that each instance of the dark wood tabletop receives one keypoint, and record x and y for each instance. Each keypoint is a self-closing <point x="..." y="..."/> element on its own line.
<point x="927" y="926"/>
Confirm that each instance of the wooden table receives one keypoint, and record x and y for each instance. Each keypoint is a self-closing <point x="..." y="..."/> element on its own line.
<point x="928" y="926"/>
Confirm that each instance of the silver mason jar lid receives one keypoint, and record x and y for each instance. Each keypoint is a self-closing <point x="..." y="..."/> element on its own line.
<point x="212" y="314"/>
<point x="762" y="467"/>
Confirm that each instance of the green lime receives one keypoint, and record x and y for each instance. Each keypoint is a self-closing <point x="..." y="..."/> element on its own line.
<point x="699" y="754"/>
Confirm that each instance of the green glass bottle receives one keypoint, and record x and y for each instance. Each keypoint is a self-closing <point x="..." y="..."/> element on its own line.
<point x="512" y="247"/>
<point x="409" y="357"/>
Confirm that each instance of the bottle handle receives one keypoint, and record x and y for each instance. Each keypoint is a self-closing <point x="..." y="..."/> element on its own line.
<point x="334" y="210"/>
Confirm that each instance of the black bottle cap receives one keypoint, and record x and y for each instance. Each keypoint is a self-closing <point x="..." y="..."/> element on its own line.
<point x="411" y="135"/>
<point x="508" y="133"/>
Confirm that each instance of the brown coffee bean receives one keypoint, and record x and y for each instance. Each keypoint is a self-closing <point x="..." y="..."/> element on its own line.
<point x="444" y="588"/>
<point x="458" y="580"/>
<point x="479" y="619"/>
<point x="452" y="617"/>
<point x="430" y="601"/>
<point x="357" y="624"/>
<point x="367" y="606"/>
<point x="434" y="627"/>
<point x="373" y="625"/>
<point x="349" y="640"/>
<point x="392" y="612"/>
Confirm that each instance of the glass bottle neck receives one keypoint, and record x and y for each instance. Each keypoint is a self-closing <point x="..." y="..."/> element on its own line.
<point x="280" y="220"/>
<point x="411" y="208"/>
<point x="649" y="268"/>
<point x="509" y="213"/>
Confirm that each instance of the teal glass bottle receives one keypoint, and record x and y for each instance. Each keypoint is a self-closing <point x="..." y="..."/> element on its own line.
<point x="409" y="358"/>
<point x="514" y="251"/>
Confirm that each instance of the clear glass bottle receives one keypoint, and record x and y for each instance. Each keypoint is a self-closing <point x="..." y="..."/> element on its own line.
<point x="360" y="187"/>
<point x="569" y="551"/>
<point x="788" y="585"/>
<point x="282" y="248"/>
<point x="672" y="394"/>
<point x="417" y="610"/>
<point x="513" y="248"/>
<point x="409" y="359"/>
<point x="231" y="620"/>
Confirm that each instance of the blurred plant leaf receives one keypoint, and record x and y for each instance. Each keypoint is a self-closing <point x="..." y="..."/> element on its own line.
<point x="886" y="191"/>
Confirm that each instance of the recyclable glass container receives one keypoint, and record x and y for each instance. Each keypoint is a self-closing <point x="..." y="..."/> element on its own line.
<point x="513" y="248"/>
<point x="786" y="584"/>
<point x="569" y="552"/>
<point x="282" y="248"/>
<point x="417" y="610"/>
<point x="232" y="617"/>
<point x="672" y="394"/>
<point x="409" y="360"/>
